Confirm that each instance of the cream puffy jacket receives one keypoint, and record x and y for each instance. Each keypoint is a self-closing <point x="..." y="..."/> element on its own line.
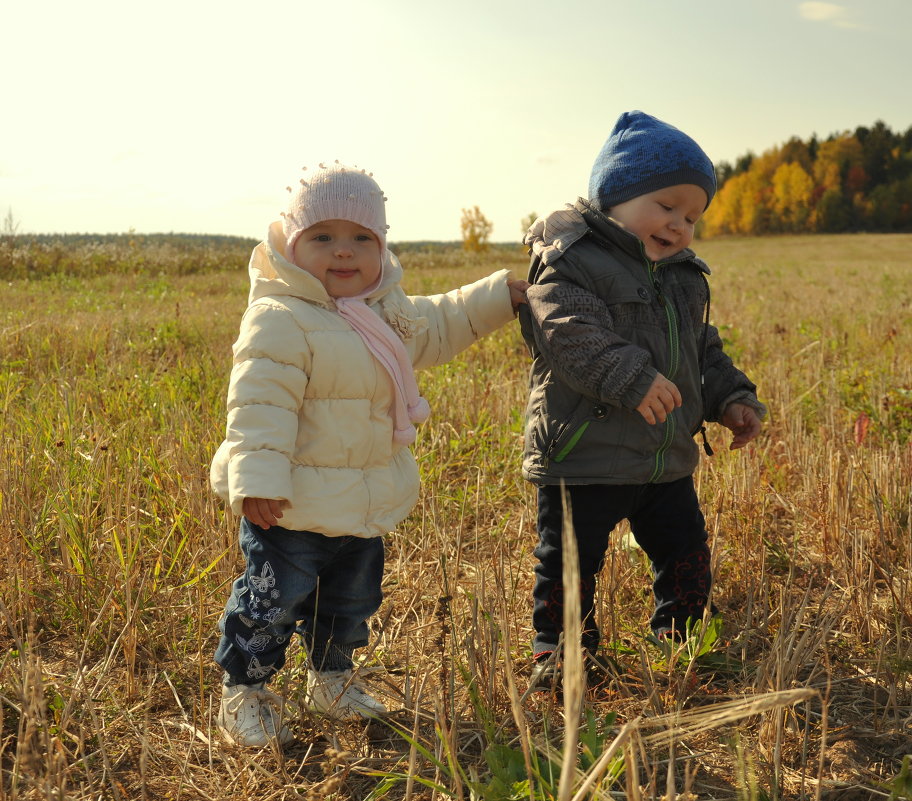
<point x="309" y="406"/>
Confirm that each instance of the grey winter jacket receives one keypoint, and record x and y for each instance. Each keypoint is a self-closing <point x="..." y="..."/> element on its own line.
<point x="601" y="321"/>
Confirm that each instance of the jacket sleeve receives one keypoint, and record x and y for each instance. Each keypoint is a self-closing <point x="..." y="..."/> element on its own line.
<point x="266" y="390"/>
<point x="457" y="319"/>
<point x="723" y="382"/>
<point x="574" y="332"/>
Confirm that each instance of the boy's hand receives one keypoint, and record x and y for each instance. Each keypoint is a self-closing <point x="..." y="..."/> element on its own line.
<point x="518" y="289"/>
<point x="743" y="421"/>
<point x="663" y="396"/>
<point x="263" y="512"/>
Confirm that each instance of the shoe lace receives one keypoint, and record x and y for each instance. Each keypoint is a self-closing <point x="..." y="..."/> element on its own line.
<point x="356" y="688"/>
<point x="345" y="684"/>
<point x="255" y="697"/>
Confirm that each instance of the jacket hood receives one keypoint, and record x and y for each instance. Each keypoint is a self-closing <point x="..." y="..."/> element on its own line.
<point x="272" y="274"/>
<point x="550" y="237"/>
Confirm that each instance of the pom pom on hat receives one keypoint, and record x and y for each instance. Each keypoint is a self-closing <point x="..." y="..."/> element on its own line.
<point x="644" y="154"/>
<point x="334" y="192"/>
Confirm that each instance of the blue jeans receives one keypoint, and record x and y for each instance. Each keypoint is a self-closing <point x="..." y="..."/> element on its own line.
<point x="325" y="588"/>
<point x="665" y="520"/>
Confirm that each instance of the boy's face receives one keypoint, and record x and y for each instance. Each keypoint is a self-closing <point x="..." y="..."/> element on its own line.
<point x="664" y="220"/>
<point x="342" y="255"/>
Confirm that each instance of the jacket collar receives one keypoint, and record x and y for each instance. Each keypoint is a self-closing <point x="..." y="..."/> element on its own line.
<point x="606" y="229"/>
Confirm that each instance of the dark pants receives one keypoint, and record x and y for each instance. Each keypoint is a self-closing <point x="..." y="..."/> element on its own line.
<point x="666" y="522"/>
<point x="325" y="588"/>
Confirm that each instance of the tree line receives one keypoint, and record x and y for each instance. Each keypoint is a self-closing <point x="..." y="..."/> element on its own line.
<point x="857" y="180"/>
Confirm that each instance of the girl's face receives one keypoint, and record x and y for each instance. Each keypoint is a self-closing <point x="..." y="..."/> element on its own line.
<point x="664" y="220"/>
<point x="342" y="255"/>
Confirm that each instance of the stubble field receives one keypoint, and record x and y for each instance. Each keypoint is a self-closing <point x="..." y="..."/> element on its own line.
<point x="116" y="558"/>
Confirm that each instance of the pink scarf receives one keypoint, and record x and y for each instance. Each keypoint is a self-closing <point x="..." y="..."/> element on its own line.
<point x="408" y="406"/>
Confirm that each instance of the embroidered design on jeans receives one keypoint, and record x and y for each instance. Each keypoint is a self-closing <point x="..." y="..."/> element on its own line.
<point x="256" y="644"/>
<point x="257" y="671"/>
<point x="266" y="581"/>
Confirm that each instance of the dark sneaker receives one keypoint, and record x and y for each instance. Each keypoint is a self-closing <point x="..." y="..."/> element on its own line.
<point x="669" y="634"/>
<point x="547" y="674"/>
<point x="600" y="669"/>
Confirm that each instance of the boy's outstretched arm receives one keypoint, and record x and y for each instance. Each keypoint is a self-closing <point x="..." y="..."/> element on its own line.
<point x="744" y="423"/>
<point x="727" y="391"/>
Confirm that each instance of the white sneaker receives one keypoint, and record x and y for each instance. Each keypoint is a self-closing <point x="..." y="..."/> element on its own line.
<point x="251" y="716"/>
<point x="340" y="694"/>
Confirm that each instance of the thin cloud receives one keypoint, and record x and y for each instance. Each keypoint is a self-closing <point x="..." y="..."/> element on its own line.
<point x="828" y="13"/>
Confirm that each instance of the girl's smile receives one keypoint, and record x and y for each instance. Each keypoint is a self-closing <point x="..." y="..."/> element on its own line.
<point x="342" y="255"/>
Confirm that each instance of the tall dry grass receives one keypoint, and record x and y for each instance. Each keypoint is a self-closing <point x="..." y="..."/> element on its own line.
<point x="117" y="560"/>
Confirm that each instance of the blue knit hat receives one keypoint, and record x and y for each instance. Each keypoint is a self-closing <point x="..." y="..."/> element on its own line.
<point x="644" y="154"/>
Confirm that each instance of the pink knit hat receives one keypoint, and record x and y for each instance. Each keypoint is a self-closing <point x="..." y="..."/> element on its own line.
<point x="334" y="192"/>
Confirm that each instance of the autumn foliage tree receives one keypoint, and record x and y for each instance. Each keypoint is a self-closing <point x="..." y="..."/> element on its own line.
<point x="860" y="181"/>
<point x="476" y="230"/>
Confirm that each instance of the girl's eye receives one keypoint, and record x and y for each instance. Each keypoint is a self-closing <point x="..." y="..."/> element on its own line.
<point x="322" y="237"/>
<point x="363" y="238"/>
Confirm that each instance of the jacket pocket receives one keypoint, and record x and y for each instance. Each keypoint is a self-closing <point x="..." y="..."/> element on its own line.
<point x="569" y="434"/>
<point x="635" y="313"/>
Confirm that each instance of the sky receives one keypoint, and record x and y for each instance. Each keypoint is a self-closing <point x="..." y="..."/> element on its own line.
<point x="193" y="116"/>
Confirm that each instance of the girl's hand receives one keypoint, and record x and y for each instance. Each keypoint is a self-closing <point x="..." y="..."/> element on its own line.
<point x="518" y="289"/>
<point x="659" y="401"/>
<point x="744" y="423"/>
<point x="263" y="512"/>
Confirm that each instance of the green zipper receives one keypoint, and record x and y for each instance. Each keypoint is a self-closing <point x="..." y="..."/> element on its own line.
<point x="674" y="345"/>
<point x="564" y="452"/>
<point x="660" y="453"/>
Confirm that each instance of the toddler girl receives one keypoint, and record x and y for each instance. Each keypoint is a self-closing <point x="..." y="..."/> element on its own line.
<point x="322" y="405"/>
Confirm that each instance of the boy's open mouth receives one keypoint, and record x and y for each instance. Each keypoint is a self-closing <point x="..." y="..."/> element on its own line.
<point x="661" y="242"/>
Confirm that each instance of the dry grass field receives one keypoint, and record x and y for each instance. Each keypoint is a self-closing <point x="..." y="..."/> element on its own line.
<point x="116" y="558"/>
